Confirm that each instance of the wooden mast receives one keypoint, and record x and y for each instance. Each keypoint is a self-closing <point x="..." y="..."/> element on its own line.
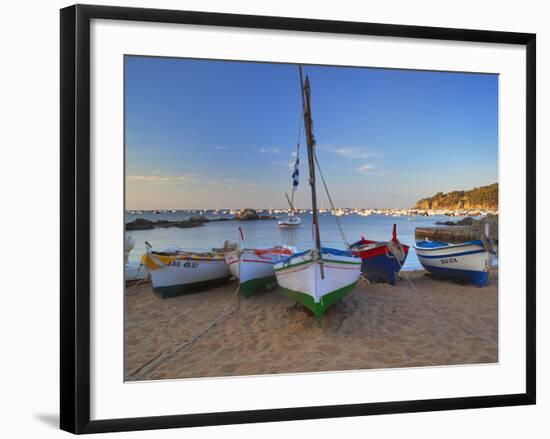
<point x="308" y="125"/>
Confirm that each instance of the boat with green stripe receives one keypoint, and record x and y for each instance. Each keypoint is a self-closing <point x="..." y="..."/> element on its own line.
<point x="318" y="282"/>
<point x="254" y="266"/>
<point x="322" y="276"/>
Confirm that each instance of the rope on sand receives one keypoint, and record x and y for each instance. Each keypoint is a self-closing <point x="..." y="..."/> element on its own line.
<point x="133" y="287"/>
<point x="431" y="308"/>
<point x="166" y="355"/>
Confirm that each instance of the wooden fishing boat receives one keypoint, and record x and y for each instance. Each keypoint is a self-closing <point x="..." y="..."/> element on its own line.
<point x="318" y="280"/>
<point x="175" y="271"/>
<point x="319" y="277"/>
<point x="469" y="261"/>
<point x="381" y="260"/>
<point x="254" y="266"/>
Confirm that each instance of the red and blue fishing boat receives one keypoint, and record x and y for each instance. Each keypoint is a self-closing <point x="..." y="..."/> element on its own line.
<point x="381" y="261"/>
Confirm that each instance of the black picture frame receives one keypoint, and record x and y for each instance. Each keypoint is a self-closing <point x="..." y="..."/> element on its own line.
<point x="75" y="217"/>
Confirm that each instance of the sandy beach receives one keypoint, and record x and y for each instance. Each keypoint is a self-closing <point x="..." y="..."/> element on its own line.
<point x="376" y="326"/>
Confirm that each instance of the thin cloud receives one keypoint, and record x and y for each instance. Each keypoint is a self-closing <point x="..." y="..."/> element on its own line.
<point x="371" y="169"/>
<point x="271" y="150"/>
<point x="162" y="179"/>
<point x="367" y="168"/>
<point x="289" y="165"/>
<point x="237" y="182"/>
<point x="222" y="148"/>
<point x="355" y="152"/>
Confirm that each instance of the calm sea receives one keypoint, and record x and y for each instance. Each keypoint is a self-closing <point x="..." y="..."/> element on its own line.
<point x="265" y="232"/>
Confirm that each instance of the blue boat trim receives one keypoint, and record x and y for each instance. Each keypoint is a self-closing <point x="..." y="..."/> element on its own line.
<point x="325" y="250"/>
<point x="478" y="278"/>
<point x="438" y="245"/>
<point x="451" y="255"/>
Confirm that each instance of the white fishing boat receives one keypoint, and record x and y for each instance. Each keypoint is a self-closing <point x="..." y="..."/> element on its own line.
<point x="319" y="277"/>
<point x="292" y="220"/>
<point x="133" y="271"/>
<point x="175" y="271"/>
<point x="129" y="245"/>
<point x="469" y="261"/>
<point x="254" y="266"/>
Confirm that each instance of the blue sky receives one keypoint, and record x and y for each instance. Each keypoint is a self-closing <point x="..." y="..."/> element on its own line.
<point x="205" y="134"/>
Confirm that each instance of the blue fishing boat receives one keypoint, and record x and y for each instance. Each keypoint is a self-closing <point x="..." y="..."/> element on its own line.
<point x="469" y="261"/>
<point x="381" y="261"/>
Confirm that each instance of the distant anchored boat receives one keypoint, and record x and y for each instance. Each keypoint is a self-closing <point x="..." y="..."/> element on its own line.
<point x="175" y="271"/>
<point x="290" y="222"/>
<point x="381" y="260"/>
<point x="469" y="261"/>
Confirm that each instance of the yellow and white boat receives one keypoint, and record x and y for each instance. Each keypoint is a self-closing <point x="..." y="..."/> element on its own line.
<point x="175" y="271"/>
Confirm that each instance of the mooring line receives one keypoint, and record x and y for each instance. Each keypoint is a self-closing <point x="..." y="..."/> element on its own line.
<point x="165" y="355"/>
<point x="128" y="292"/>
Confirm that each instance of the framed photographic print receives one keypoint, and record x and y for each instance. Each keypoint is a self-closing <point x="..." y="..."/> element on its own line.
<point x="268" y="218"/>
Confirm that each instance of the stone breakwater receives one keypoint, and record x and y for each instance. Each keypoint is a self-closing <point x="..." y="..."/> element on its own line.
<point x="467" y="229"/>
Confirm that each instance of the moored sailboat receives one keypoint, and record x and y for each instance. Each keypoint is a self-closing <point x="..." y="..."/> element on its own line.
<point x="319" y="277"/>
<point x="292" y="220"/>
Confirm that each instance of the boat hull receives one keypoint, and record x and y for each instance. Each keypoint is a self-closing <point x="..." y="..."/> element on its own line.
<point x="300" y="279"/>
<point x="254" y="268"/>
<point x="379" y="264"/>
<point x="175" y="275"/>
<point x="468" y="261"/>
<point x="283" y="225"/>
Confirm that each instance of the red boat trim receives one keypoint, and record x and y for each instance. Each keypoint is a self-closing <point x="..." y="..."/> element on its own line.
<point x="293" y="271"/>
<point x="376" y="251"/>
<point x="260" y="262"/>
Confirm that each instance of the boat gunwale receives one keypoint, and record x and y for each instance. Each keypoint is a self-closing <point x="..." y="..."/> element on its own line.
<point x="326" y="261"/>
<point x="447" y="245"/>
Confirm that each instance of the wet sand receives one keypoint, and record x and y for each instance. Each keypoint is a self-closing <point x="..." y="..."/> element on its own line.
<point x="375" y="326"/>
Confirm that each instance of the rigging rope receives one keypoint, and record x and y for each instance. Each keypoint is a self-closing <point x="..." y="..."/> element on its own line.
<point x="338" y="223"/>
<point x="128" y="292"/>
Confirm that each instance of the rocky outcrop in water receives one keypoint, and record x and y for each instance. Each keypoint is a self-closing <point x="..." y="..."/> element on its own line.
<point x="194" y="221"/>
<point x="251" y="214"/>
<point x="468" y="221"/>
<point x="144" y="224"/>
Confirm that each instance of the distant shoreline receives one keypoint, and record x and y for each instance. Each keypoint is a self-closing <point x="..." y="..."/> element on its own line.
<point x="406" y="211"/>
